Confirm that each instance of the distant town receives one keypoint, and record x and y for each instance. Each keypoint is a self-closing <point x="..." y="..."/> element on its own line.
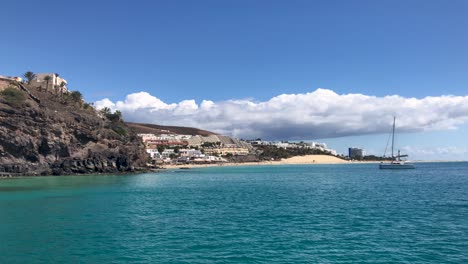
<point x="195" y="149"/>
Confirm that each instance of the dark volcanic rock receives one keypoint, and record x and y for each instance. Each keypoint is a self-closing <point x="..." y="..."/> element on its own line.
<point x="62" y="137"/>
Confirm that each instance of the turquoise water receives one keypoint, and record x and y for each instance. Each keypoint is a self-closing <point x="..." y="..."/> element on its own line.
<point x="271" y="214"/>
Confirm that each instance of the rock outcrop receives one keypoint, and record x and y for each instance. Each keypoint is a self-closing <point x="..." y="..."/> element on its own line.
<point x="59" y="134"/>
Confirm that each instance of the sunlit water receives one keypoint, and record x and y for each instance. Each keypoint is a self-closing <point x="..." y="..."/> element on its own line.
<point x="271" y="214"/>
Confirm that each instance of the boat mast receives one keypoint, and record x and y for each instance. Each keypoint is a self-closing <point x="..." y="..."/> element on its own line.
<point x="393" y="134"/>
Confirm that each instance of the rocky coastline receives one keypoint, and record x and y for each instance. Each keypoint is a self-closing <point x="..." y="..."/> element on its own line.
<point x="48" y="133"/>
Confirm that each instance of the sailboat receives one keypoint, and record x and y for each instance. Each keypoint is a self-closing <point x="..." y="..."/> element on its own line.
<point x="397" y="162"/>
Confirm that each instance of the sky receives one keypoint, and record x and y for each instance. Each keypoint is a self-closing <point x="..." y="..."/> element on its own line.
<point x="329" y="71"/>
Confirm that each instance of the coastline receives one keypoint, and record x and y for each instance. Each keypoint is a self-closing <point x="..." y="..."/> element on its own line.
<point x="5" y="176"/>
<point x="297" y="160"/>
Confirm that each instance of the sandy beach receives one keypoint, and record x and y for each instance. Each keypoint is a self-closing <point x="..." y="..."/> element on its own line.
<point x="308" y="159"/>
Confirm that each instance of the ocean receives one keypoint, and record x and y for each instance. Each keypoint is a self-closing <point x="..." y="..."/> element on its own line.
<point x="253" y="214"/>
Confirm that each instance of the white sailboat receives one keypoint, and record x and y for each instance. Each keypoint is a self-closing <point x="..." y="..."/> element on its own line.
<point x="397" y="162"/>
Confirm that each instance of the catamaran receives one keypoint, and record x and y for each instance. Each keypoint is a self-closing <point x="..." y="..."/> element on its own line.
<point x="397" y="162"/>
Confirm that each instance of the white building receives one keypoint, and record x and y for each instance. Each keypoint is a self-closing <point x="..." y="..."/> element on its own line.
<point x="154" y="153"/>
<point x="190" y="153"/>
<point x="284" y="145"/>
<point x="167" y="153"/>
<point x="146" y="137"/>
<point x="56" y="83"/>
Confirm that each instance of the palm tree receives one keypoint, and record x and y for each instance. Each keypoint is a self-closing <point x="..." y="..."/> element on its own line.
<point x="29" y="75"/>
<point x="62" y="86"/>
<point x="47" y="78"/>
<point x="118" y="114"/>
<point x="106" y="111"/>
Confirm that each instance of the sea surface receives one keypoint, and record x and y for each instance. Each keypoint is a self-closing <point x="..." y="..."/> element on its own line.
<point x="266" y="214"/>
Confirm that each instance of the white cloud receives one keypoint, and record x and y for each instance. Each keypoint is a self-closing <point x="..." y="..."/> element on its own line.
<point x="318" y="114"/>
<point x="437" y="153"/>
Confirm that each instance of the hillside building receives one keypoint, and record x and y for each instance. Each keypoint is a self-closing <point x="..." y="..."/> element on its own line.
<point x="56" y="83"/>
<point x="213" y="144"/>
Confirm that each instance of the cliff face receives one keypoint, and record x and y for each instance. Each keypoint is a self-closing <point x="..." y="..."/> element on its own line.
<point x="59" y="134"/>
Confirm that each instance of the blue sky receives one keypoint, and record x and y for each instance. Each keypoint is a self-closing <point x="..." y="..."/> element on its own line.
<point x="224" y="50"/>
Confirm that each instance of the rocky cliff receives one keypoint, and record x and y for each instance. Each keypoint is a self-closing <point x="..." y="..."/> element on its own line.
<point x="48" y="133"/>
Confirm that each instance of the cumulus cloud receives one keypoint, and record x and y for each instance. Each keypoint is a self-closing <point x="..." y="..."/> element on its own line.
<point x="318" y="114"/>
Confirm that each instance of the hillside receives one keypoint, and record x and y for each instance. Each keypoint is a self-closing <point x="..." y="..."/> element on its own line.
<point x="45" y="132"/>
<point x="158" y="129"/>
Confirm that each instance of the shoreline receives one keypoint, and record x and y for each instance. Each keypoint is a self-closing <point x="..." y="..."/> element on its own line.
<point x="7" y="176"/>
<point x="297" y="160"/>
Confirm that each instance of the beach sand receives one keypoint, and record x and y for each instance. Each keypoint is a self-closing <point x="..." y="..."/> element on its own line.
<point x="308" y="159"/>
<point x="313" y="159"/>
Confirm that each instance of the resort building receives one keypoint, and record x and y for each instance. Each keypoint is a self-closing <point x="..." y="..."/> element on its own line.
<point x="55" y="83"/>
<point x="213" y="144"/>
<point x="154" y="153"/>
<point x="226" y="150"/>
<point x="295" y="145"/>
<point x="190" y="153"/>
<point x="195" y="141"/>
<point x="147" y="137"/>
<point x="167" y="153"/>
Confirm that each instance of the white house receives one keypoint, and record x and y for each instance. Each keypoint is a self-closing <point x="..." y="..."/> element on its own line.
<point x="167" y="153"/>
<point x="154" y="153"/>
<point x="55" y="83"/>
<point x="146" y="137"/>
<point x="190" y="153"/>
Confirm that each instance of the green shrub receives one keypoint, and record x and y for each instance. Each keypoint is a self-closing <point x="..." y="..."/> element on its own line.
<point x="119" y="130"/>
<point x="13" y="97"/>
<point x="113" y="117"/>
<point x="74" y="97"/>
<point x="88" y="106"/>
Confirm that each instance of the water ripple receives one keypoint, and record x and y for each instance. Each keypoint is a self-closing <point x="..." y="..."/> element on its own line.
<point x="281" y="214"/>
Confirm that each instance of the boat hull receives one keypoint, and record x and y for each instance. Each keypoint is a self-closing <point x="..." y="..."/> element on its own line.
<point x="390" y="166"/>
